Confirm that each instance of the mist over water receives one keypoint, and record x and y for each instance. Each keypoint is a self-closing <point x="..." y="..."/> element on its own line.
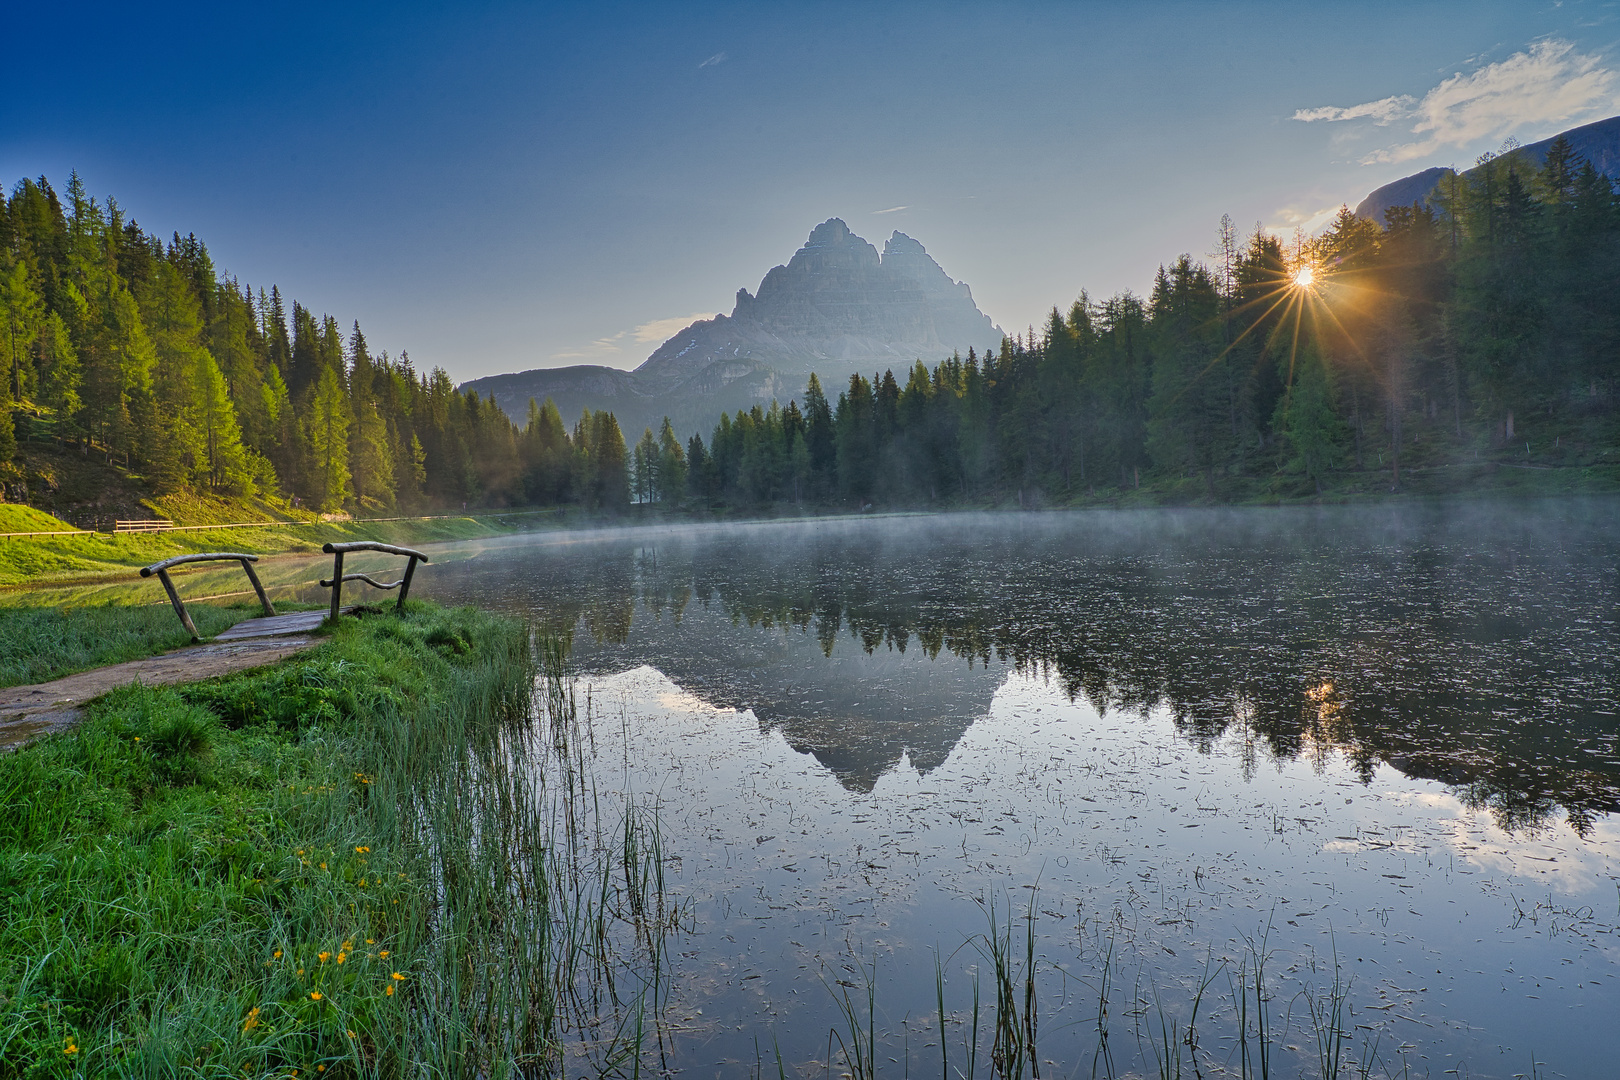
<point x="1389" y="734"/>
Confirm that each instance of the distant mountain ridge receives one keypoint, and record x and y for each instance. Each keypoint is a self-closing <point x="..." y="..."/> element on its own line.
<point x="837" y="307"/>
<point x="1598" y="143"/>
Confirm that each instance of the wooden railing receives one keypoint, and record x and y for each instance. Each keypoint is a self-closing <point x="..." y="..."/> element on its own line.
<point x="161" y="569"/>
<point x="337" y="551"/>
<point x="143" y="525"/>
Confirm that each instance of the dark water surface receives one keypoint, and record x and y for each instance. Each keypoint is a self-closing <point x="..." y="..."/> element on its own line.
<point x="1159" y="746"/>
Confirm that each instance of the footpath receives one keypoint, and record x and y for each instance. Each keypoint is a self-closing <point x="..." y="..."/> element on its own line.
<point x="30" y="711"/>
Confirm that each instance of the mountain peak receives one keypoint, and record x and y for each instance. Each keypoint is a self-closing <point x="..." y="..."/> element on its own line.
<point x="900" y="242"/>
<point x="830" y="233"/>
<point x="837" y="306"/>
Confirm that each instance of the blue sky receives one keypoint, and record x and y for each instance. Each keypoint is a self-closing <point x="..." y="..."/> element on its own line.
<point x="495" y="187"/>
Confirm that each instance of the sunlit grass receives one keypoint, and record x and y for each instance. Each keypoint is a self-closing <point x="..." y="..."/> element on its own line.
<point x="370" y="861"/>
<point x="38" y="644"/>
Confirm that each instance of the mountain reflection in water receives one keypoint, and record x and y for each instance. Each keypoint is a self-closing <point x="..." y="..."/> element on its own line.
<point x="1473" y="645"/>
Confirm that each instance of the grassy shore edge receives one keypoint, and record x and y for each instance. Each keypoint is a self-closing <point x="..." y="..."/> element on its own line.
<point x="258" y="874"/>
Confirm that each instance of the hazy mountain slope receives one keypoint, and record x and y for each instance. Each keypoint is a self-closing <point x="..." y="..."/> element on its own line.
<point x="835" y="308"/>
<point x="1598" y="142"/>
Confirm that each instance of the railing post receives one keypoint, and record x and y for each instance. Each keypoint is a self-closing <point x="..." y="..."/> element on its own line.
<point x="269" y="608"/>
<point x="179" y="608"/>
<point x="405" y="585"/>
<point x="337" y="583"/>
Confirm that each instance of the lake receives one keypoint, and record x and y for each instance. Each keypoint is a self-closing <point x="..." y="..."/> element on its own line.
<point x="1069" y="785"/>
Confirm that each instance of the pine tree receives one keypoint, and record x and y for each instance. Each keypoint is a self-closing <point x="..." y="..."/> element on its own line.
<point x="819" y="439"/>
<point x="329" y="443"/>
<point x="671" y="465"/>
<point x="1311" y="427"/>
<point x="21" y="314"/>
<point x="644" y="468"/>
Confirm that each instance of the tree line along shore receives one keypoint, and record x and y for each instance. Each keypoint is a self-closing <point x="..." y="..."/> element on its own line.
<point x="1470" y="342"/>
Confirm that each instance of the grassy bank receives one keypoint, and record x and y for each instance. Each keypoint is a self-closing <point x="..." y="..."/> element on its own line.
<point x="41" y="560"/>
<point x="38" y="644"/>
<point x="335" y="866"/>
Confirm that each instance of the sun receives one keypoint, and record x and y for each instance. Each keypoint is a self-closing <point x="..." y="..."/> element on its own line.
<point x="1304" y="277"/>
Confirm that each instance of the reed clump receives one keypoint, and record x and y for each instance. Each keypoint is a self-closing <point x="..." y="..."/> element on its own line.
<point x="350" y="864"/>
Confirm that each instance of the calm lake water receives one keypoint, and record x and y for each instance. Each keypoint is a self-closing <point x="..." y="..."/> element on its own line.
<point x="1133" y="754"/>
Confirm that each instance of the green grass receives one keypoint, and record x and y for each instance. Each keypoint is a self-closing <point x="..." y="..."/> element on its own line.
<point x="259" y="874"/>
<point x="39" y="644"/>
<point x="14" y="517"/>
<point x="43" y="560"/>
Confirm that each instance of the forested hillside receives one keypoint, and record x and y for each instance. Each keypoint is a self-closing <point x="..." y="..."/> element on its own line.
<point x="118" y="345"/>
<point x="1430" y="354"/>
<point x="1459" y="344"/>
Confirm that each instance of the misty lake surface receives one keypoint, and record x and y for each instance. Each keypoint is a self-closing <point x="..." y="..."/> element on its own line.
<point x="1146" y="749"/>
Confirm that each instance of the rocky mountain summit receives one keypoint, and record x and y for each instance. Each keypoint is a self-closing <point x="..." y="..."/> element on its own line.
<point x="837" y="307"/>
<point x="839" y="303"/>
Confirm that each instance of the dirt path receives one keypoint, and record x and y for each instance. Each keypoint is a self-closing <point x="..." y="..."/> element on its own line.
<point x="29" y="711"/>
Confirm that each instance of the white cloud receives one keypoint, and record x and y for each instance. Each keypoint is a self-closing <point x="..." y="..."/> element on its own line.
<point x="1548" y="85"/>
<point x="613" y="346"/>
<point x="1381" y="111"/>
<point x="660" y="330"/>
<point x="892" y="210"/>
<point x="717" y="58"/>
<point x="1310" y="218"/>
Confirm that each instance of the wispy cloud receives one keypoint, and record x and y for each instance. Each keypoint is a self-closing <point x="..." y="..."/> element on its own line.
<point x="1547" y="85"/>
<point x="1307" y="217"/>
<point x="661" y="330"/>
<point x="603" y="348"/>
<point x="717" y="58"/>
<point x="613" y="346"/>
<point x="892" y="210"/>
<point x="1380" y="112"/>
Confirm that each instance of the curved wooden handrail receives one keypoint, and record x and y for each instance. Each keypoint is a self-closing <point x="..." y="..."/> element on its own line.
<point x="372" y="545"/>
<point x="210" y="556"/>
<point x="326" y="583"/>
<point x="161" y="569"/>
<point x="335" y="583"/>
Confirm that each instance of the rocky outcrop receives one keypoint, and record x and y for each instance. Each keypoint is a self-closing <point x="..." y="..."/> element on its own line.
<point x="836" y="307"/>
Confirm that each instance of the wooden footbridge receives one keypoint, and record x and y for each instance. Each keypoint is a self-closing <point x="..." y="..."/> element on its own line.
<point x="29" y="711"/>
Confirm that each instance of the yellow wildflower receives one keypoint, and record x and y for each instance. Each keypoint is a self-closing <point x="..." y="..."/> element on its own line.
<point x="276" y="954"/>
<point x="398" y="977"/>
<point x="314" y="995"/>
<point x="342" y="956"/>
<point x="370" y="942"/>
<point x="71" y="1048"/>
<point x="321" y="956"/>
<point x="362" y="850"/>
<point x="352" y="1035"/>
<point x="252" y="1020"/>
<point x="389" y="990"/>
<point x="383" y="954"/>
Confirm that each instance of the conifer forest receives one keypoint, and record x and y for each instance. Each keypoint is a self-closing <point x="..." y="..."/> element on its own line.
<point x="1476" y="332"/>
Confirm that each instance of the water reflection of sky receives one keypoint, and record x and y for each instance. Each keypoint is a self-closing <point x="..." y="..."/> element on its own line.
<point x="1388" y="738"/>
<point x="1462" y="939"/>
